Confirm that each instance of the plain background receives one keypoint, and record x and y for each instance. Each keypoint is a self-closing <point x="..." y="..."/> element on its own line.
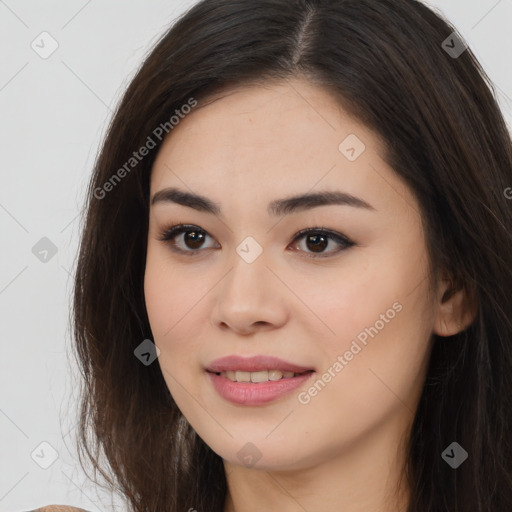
<point x="53" y="113"/>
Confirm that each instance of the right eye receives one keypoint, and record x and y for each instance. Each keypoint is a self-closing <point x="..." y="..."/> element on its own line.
<point x="194" y="238"/>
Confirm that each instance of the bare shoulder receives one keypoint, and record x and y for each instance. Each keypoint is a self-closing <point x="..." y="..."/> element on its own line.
<point x="59" y="508"/>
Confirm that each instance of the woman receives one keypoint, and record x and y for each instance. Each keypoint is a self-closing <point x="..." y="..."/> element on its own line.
<point x="293" y="285"/>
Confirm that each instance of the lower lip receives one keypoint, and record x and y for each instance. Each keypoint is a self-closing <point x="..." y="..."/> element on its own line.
<point x="256" y="393"/>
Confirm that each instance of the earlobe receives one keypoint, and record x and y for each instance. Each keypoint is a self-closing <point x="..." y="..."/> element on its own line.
<point x="456" y="310"/>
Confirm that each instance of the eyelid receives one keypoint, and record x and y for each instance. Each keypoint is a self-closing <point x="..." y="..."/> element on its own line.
<point x="172" y="231"/>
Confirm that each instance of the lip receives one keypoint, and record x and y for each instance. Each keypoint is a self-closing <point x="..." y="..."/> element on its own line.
<point x="254" y="364"/>
<point x="251" y="393"/>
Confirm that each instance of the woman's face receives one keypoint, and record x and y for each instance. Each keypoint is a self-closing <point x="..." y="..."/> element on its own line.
<point x="240" y="282"/>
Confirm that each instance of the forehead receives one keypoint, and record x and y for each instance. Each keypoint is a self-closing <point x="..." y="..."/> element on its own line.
<point x="251" y="144"/>
<point x="271" y="128"/>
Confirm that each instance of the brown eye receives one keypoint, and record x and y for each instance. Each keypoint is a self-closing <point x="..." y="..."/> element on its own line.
<point x="317" y="240"/>
<point x="192" y="240"/>
<point x="317" y="243"/>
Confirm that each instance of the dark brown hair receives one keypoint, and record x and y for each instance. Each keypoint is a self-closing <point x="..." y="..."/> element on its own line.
<point x="444" y="135"/>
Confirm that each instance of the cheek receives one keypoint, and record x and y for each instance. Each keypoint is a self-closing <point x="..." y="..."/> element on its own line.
<point x="168" y="304"/>
<point x="167" y="291"/>
<point x="373" y="370"/>
<point x="173" y="303"/>
<point x="375" y="314"/>
<point x="350" y="297"/>
<point x="159" y="297"/>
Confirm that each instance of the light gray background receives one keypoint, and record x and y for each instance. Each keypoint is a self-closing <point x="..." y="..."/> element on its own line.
<point x="53" y="113"/>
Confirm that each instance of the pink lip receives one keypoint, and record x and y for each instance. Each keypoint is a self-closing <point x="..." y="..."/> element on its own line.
<point x="251" y="393"/>
<point x="254" y="364"/>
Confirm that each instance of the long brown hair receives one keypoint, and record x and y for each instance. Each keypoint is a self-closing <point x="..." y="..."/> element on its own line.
<point x="431" y="102"/>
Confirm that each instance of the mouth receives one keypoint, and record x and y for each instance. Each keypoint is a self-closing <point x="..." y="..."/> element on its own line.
<point x="256" y="380"/>
<point x="259" y="376"/>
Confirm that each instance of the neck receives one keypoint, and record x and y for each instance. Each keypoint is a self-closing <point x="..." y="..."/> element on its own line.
<point x="367" y="477"/>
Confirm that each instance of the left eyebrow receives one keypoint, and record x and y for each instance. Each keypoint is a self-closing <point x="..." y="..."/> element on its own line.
<point x="276" y="208"/>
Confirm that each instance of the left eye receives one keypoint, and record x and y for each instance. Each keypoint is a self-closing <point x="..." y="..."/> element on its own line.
<point x="316" y="239"/>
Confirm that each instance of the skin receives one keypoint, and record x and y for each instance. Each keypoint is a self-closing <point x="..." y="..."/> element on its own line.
<point x="252" y="145"/>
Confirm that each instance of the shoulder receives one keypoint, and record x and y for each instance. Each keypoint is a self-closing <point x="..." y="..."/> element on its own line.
<point x="58" y="508"/>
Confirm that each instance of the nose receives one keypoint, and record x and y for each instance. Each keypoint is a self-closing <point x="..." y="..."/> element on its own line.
<point x="250" y="298"/>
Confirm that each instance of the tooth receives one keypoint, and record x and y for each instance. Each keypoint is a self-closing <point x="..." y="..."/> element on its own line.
<point x="274" y="374"/>
<point x="261" y="376"/>
<point x="243" y="376"/>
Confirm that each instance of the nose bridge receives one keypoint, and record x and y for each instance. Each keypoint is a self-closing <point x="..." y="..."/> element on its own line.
<point x="249" y="273"/>
<point x="249" y="293"/>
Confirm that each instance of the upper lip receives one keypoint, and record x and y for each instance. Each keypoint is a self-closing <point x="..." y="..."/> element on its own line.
<point x="253" y="364"/>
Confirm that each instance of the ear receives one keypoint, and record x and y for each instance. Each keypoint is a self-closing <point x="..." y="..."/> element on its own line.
<point x="456" y="308"/>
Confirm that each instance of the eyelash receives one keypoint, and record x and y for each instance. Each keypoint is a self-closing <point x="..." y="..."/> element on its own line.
<point x="171" y="232"/>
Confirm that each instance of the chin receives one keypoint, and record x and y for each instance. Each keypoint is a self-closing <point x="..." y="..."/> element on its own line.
<point x="261" y="455"/>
